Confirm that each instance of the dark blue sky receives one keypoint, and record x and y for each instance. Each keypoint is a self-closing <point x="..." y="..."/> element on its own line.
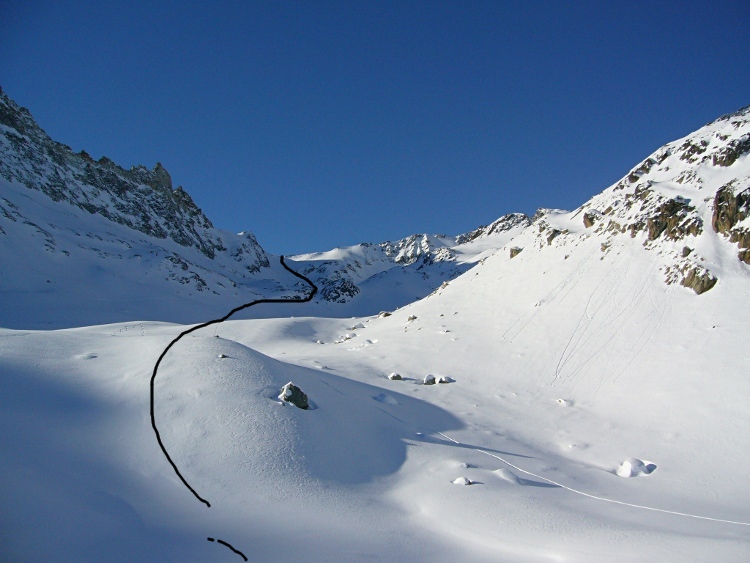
<point x="323" y="124"/>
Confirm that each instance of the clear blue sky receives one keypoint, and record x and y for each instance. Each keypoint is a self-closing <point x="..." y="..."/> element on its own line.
<point x="323" y="124"/>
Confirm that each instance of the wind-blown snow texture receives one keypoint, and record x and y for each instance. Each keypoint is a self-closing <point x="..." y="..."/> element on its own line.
<point x="596" y="362"/>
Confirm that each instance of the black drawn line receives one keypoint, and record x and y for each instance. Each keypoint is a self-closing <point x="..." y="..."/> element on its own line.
<point x="193" y="329"/>
<point x="237" y="551"/>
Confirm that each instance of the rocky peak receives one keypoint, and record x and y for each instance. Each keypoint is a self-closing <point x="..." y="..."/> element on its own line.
<point x="161" y="178"/>
<point x="139" y="198"/>
<point x="411" y="249"/>
<point x="703" y="178"/>
<point x="503" y="224"/>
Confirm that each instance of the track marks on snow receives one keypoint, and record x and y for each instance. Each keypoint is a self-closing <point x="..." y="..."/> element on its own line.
<point x="509" y="476"/>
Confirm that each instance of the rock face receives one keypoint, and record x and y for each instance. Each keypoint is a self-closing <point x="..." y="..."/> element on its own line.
<point x="290" y="393"/>
<point x="667" y="198"/>
<point x="141" y="199"/>
<point x="699" y="279"/>
<point x="675" y="219"/>
<point x="731" y="209"/>
<point x="590" y="217"/>
<point x="163" y="225"/>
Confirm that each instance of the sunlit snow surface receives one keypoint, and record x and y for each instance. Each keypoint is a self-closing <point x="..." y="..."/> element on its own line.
<point x="593" y="411"/>
<point x="565" y="368"/>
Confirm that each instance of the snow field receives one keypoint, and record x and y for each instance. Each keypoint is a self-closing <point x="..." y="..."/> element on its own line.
<point x="594" y="411"/>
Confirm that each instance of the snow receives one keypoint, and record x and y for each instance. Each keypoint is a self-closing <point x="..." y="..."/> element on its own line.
<point x="572" y="367"/>
<point x="635" y="467"/>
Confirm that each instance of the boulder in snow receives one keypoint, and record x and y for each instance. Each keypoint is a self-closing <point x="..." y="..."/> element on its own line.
<point x="395" y="376"/>
<point x="445" y="379"/>
<point x="429" y="379"/>
<point x="290" y="393"/>
<point x="462" y="481"/>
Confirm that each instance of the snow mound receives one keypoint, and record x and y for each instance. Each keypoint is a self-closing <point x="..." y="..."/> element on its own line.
<point x="507" y="475"/>
<point x="462" y="481"/>
<point x="635" y="468"/>
<point x="386" y="399"/>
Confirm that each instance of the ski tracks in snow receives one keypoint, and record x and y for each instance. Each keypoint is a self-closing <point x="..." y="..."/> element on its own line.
<point x="592" y="496"/>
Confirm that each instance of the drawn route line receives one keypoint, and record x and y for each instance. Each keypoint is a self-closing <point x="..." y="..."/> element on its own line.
<point x="237" y="551"/>
<point x="314" y="290"/>
<point x="589" y="495"/>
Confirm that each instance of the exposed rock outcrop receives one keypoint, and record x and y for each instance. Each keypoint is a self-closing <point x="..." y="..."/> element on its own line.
<point x="731" y="208"/>
<point x="141" y="199"/>
<point x="699" y="279"/>
<point x="290" y="393"/>
<point x="590" y="218"/>
<point x="675" y="219"/>
<point x="503" y="224"/>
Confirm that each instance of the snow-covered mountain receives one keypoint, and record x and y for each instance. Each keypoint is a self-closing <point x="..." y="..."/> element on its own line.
<point x="367" y="278"/>
<point x="64" y="216"/>
<point x="66" y="220"/>
<point x="593" y="402"/>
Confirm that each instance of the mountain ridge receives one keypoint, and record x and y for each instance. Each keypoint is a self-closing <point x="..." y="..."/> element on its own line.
<point x="134" y="227"/>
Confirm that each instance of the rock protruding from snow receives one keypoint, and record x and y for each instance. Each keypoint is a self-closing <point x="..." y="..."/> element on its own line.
<point x="290" y="393"/>
<point x="634" y="467"/>
<point x="699" y="279"/>
<point x="503" y="224"/>
<point x="429" y="379"/>
<point x="462" y="481"/>
<point x="590" y="218"/>
<point x="731" y="209"/>
<point x="395" y="376"/>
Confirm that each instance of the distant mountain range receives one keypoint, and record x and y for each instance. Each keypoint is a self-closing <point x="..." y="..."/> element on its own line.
<point x="108" y="244"/>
